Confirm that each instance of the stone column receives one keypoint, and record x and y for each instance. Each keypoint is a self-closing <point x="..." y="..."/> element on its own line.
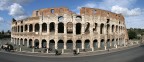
<point x="56" y="44"/>
<point x="74" y="29"/>
<point x="33" y="30"/>
<point x="74" y="45"/>
<point x="47" y="43"/>
<point x="56" y="29"/>
<point x="19" y="42"/>
<point x="33" y="43"/>
<point x="99" y="41"/>
<point x="28" y="28"/>
<point x="40" y="43"/>
<point x="27" y="43"/>
<point x="83" y="45"/>
<point x="48" y="28"/>
<point x="65" y="30"/>
<point x="65" y="46"/>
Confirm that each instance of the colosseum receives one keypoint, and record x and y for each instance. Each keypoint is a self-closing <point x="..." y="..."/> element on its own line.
<point x="62" y="29"/>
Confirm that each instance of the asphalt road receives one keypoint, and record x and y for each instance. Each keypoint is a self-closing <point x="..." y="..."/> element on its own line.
<point x="131" y="55"/>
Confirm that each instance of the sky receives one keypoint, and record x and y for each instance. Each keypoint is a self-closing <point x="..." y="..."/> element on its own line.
<point x="132" y="10"/>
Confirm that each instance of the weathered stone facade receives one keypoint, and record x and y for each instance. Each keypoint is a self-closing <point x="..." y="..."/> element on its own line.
<point x="93" y="28"/>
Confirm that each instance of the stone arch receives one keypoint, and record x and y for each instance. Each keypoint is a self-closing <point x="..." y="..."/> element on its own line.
<point x="18" y="29"/>
<point x="95" y="44"/>
<point x="37" y="27"/>
<point x="108" y="43"/>
<point x="36" y="43"/>
<point x="113" y="43"/>
<point x="26" y="27"/>
<point x="78" y="18"/>
<point x="60" y="18"/>
<point x="25" y="42"/>
<point x="60" y="44"/>
<point x="108" y="28"/>
<point x="69" y="44"/>
<point x="60" y="27"/>
<point x="21" y="41"/>
<point x="52" y="44"/>
<point x="78" y="44"/>
<point x="30" y="28"/>
<point x="78" y="28"/>
<point x="101" y="28"/>
<point x="69" y="27"/>
<point x="102" y="44"/>
<point x="21" y="28"/>
<point x="112" y="28"/>
<point x="87" y="27"/>
<point x="52" y="27"/>
<point x="44" y="43"/>
<point x="87" y="44"/>
<point x="95" y="27"/>
<point x="44" y="27"/>
<point x="116" y="28"/>
<point x="30" y="43"/>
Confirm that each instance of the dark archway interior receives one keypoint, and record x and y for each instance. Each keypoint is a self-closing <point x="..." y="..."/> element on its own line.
<point x="36" y="43"/>
<point x="87" y="43"/>
<point x="95" y="44"/>
<point x="69" y="44"/>
<point x="43" y="43"/>
<point x="60" y="28"/>
<point x="44" y="27"/>
<point x="37" y="27"/>
<point x="52" y="27"/>
<point x="78" y="44"/>
<point x="60" y="44"/>
<point x="101" y="28"/>
<point x="30" y="28"/>
<point x="52" y="44"/>
<point x="78" y="28"/>
<point x="26" y="27"/>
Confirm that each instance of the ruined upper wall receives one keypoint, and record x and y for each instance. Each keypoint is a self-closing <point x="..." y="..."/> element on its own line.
<point x="101" y="13"/>
<point x="51" y="11"/>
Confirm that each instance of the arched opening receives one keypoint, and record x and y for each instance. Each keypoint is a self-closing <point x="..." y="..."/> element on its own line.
<point x="30" y="43"/>
<point x="52" y="11"/>
<point x="60" y="27"/>
<point x="69" y="27"/>
<point x="116" y="41"/>
<point x="69" y="44"/>
<point x="36" y="43"/>
<point x="102" y="44"/>
<point x="26" y="27"/>
<point x="52" y="27"/>
<point x="30" y="28"/>
<point x="25" y="42"/>
<point x="60" y="44"/>
<point x="21" y="41"/>
<point x="21" y="28"/>
<point x="18" y="29"/>
<point x="78" y="28"/>
<point x="44" y="43"/>
<point x="112" y="28"/>
<point x="102" y="28"/>
<point x="52" y="44"/>
<point x="78" y="44"/>
<point x="60" y="18"/>
<point x="87" y="26"/>
<point x="44" y="27"/>
<point x="113" y="43"/>
<point x="78" y="18"/>
<point x="108" y="43"/>
<point x="95" y="44"/>
<point x="87" y="44"/>
<point x="37" y="27"/>
<point x="95" y="27"/>
<point x="108" y="28"/>
<point x="116" y="28"/>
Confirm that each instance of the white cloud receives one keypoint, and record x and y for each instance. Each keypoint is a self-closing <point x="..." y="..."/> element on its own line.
<point x="17" y="11"/>
<point x="126" y="11"/>
<point x="134" y="17"/>
<point x="1" y="19"/>
<point x="14" y="7"/>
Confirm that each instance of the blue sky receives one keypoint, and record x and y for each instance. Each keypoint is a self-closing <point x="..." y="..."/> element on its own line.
<point x="133" y="10"/>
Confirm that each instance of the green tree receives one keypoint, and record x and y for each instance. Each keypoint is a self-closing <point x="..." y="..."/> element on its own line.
<point x="132" y="34"/>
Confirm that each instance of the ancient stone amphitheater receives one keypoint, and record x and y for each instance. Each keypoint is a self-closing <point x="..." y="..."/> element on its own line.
<point x="60" y="28"/>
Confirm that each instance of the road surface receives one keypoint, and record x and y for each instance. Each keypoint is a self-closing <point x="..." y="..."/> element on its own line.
<point x="130" y="55"/>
